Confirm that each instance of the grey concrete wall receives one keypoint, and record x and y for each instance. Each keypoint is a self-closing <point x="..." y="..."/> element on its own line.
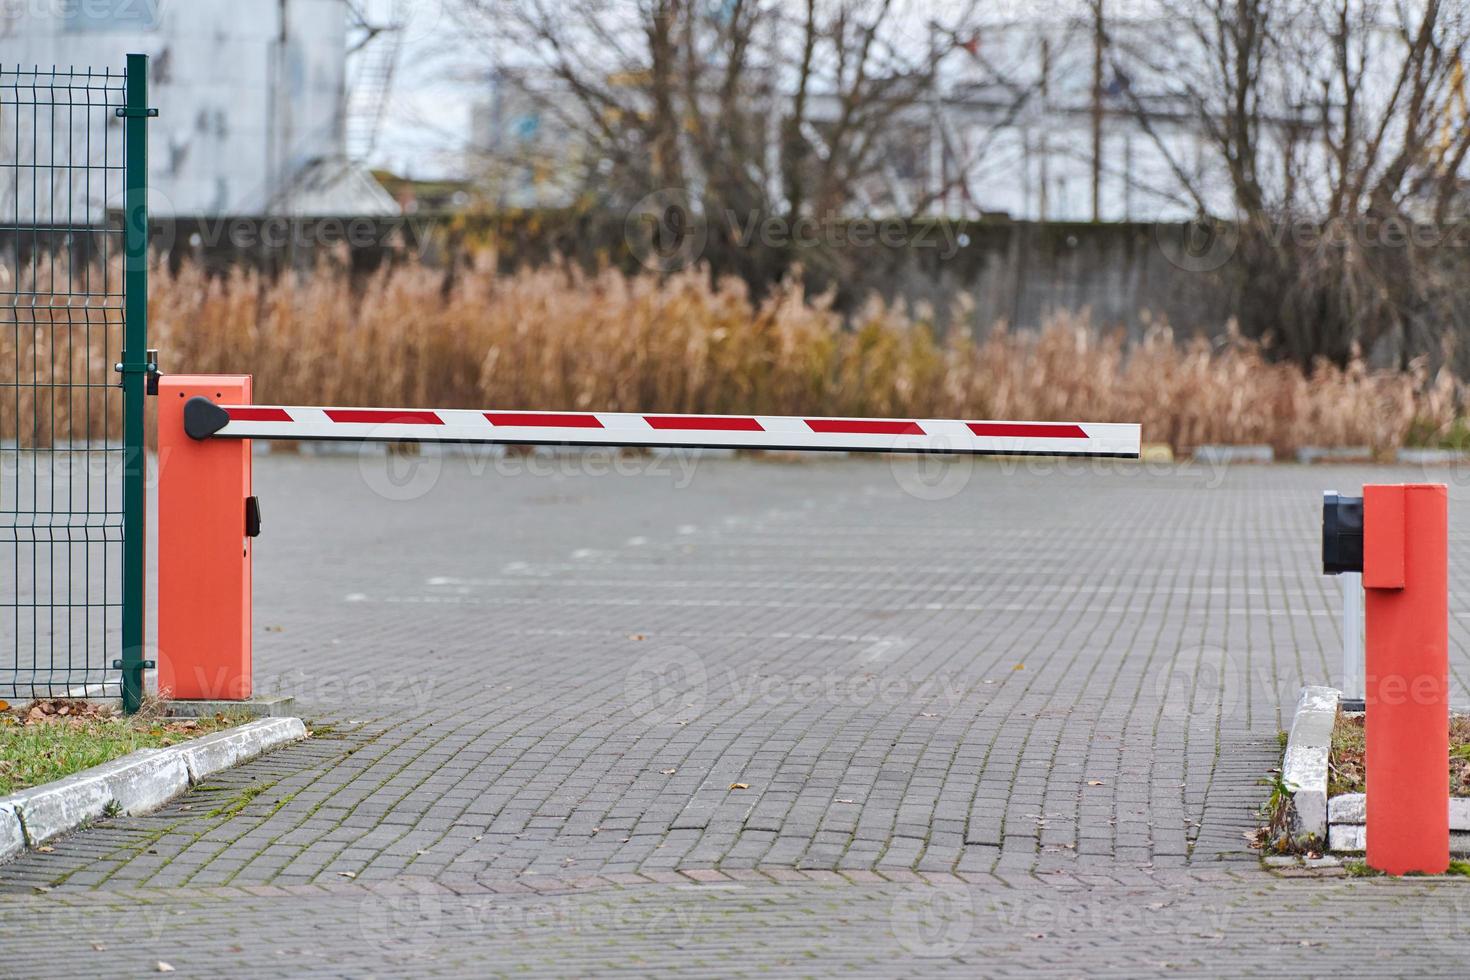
<point x="1126" y="275"/>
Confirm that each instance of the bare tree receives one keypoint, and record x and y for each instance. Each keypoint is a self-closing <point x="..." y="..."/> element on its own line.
<point x="1339" y="136"/>
<point x="748" y="111"/>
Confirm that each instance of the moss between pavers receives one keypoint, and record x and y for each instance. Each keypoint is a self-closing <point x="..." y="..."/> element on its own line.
<point x="1347" y="763"/>
<point x="55" y="737"/>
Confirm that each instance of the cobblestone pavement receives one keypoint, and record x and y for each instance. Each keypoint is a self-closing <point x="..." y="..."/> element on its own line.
<point x="744" y="715"/>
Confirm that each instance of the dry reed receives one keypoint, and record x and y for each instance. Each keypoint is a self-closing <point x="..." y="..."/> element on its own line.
<point x="555" y="338"/>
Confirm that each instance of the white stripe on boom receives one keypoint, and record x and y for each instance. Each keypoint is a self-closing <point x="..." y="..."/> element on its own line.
<point x="635" y="429"/>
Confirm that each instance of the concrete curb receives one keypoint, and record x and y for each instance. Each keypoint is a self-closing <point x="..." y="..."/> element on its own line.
<point x="1307" y="455"/>
<point x="1347" y="818"/>
<point x="212" y="753"/>
<point x="1430" y="457"/>
<point x="12" y="837"/>
<point x="1304" y="769"/>
<point x="137" y="783"/>
<point x="1234" y="454"/>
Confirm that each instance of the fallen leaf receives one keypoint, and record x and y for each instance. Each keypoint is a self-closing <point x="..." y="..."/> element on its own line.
<point x="1094" y="782"/>
<point x="163" y="967"/>
<point x="46" y="850"/>
<point x="740" y="786"/>
<point x="1019" y="667"/>
<point x="636" y="636"/>
<point x="99" y="947"/>
<point x="4" y="705"/>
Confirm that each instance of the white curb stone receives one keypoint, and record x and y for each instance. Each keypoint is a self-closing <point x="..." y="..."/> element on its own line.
<point x="1347" y="838"/>
<point x="1234" y="454"/>
<point x="12" y="837"/>
<point x="1334" y="454"/>
<point x="1349" y="808"/>
<point x="1348" y="814"/>
<point x="137" y="783"/>
<point x="1422" y="456"/>
<point x="212" y="753"/>
<point x="1304" y="769"/>
<point x="1353" y="838"/>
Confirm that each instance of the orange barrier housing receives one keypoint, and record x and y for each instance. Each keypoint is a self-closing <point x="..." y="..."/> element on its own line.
<point x="1406" y="612"/>
<point x="203" y="552"/>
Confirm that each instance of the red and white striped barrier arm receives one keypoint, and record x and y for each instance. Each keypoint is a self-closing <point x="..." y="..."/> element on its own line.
<point x="203" y="419"/>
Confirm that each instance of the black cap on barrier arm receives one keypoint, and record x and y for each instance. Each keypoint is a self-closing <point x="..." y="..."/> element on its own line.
<point x="203" y="418"/>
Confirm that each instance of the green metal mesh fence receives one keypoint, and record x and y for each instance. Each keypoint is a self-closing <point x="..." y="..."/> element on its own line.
<point x="67" y="462"/>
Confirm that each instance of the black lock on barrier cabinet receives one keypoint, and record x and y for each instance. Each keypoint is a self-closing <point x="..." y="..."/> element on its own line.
<point x="1342" y="534"/>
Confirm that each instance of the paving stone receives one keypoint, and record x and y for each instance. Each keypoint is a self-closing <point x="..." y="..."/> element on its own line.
<point x="566" y="674"/>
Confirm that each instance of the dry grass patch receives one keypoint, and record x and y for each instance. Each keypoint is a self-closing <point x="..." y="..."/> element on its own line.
<point x="1347" y="764"/>
<point x="556" y="338"/>
<point x="55" y="737"/>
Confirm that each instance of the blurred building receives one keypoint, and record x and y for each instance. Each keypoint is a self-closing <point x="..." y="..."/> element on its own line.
<point x="1007" y="130"/>
<point x="524" y="155"/>
<point x="253" y="104"/>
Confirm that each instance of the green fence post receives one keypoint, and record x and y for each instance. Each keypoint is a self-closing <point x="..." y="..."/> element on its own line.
<point x="134" y="368"/>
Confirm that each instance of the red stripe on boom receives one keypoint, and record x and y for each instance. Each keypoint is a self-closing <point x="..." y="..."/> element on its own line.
<point x="1025" y="431"/>
<point x="866" y="427"/>
<point x="260" y="415"/>
<point x="544" y="419"/>
<point x="704" y="422"/>
<point x="383" y="416"/>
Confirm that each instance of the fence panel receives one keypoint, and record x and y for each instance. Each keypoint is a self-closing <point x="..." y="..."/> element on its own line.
<point x="72" y="478"/>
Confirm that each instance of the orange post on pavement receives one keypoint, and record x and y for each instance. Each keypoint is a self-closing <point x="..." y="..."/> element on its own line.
<point x="203" y="548"/>
<point x="1406" y="613"/>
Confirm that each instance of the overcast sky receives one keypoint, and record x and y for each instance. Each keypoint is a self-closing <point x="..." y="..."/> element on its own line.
<point x="442" y="70"/>
<point x="426" y="126"/>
